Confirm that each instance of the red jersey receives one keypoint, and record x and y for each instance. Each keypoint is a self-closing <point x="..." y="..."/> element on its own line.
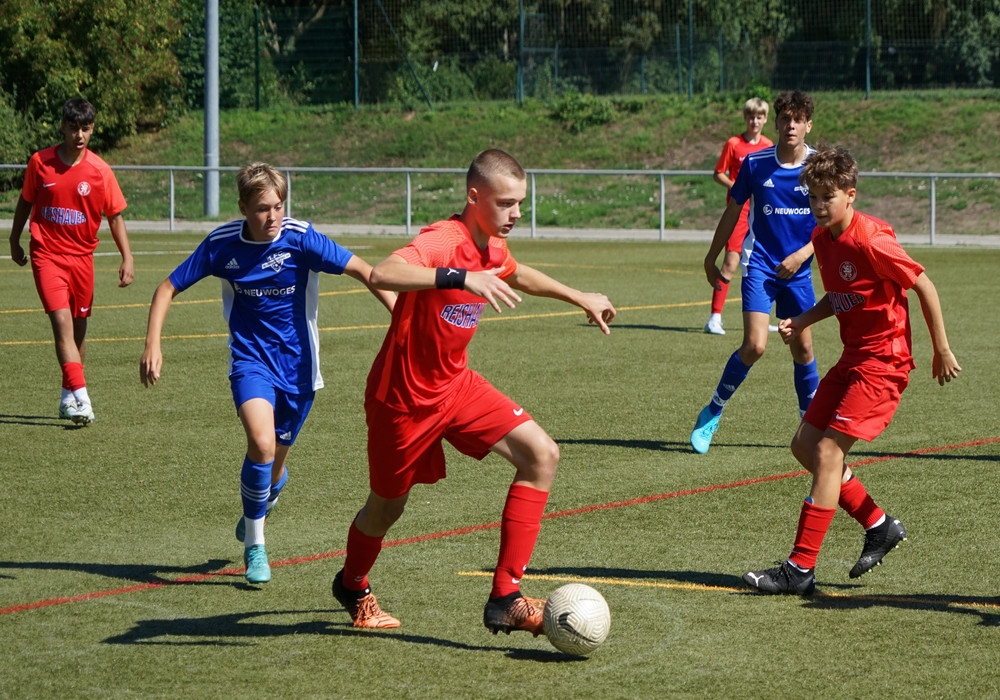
<point x="68" y="201"/>
<point x="866" y="274"/>
<point x="735" y="151"/>
<point x="424" y="352"/>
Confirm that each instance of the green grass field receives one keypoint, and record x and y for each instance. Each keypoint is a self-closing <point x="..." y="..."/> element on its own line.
<point x="120" y="576"/>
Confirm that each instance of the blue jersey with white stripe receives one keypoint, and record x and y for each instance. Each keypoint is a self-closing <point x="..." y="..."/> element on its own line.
<point x="781" y="221"/>
<point x="270" y="297"/>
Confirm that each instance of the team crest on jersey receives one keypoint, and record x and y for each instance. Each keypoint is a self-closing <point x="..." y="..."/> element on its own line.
<point x="83" y="189"/>
<point x="275" y="262"/>
<point x="848" y="272"/>
<point x="803" y="190"/>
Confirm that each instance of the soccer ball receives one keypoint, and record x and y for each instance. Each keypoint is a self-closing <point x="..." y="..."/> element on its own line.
<point x="576" y="619"/>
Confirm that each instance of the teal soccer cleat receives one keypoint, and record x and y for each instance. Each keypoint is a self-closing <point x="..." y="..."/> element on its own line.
<point x="704" y="429"/>
<point x="258" y="570"/>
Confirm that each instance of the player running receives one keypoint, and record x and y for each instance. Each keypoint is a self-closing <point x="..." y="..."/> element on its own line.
<point x="866" y="274"/>
<point x="268" y="264"/>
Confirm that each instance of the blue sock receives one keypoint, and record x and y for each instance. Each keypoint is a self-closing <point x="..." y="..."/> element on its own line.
<point x="732" y="376"/>
<point x="806" y="381"/>
<point x="276" y="488"/>
<point x="255" y="484"/>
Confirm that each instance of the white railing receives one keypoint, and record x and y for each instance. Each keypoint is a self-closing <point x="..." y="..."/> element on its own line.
<point x="407" y="174"/>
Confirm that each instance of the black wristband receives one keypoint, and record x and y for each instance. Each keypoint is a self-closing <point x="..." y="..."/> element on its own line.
<point x="450" y="278"/>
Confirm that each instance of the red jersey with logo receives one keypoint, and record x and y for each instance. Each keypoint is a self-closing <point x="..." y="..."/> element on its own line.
<point x="424" y="352"/>
<point x="69" y="201"/>
<point x="735" y="150"/>
<point x="866" y="274"/>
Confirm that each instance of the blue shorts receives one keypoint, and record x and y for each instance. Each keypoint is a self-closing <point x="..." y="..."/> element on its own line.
<point x="789" y="297"/>
<point x="290" y="410"/>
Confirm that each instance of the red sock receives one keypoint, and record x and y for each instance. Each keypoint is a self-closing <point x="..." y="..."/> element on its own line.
<point x="859" y="505"/>
<point x="362" y="551"/>
<point x="72" y="376"/>
<point x="519" y="527"/>
<point x="813" y="524"/>
<point x="719" y="297"/>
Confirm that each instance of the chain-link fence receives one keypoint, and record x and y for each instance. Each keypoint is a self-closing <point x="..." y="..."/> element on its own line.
<point x="375" y="51"/>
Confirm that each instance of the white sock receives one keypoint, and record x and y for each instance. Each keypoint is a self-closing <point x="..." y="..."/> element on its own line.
<point x="255" y="532"/>
<point x="81" y="395"/>
<point x="67" y="398"/>
<point x="715" y="317"/>
<point x="880" y="521"/>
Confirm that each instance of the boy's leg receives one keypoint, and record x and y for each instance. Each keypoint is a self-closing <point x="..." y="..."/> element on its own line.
<point x="364" y="542"/>
<point x="536" y="457"/>
<point x="736" y="370"/>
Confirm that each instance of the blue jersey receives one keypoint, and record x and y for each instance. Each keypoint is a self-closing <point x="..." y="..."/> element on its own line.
<point x="781" y="221"/>
<point x="270" y="296"/>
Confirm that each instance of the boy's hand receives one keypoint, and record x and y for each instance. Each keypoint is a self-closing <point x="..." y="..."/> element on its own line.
<point x="17" y="254"/>
<point x="489" y="286"/>
<point x="126" y="272"/>
<point x="789" y="329"/>
<point x="945" y="367"/>
<point x="714" y="275"/>
<point x="599" y="310"/>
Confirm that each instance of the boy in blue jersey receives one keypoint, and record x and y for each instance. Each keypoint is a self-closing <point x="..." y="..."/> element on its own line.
<point x="776" y="255"/>
<point x="269" y="267"/>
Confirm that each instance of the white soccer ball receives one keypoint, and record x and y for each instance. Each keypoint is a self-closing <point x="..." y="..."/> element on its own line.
<point x="576" y="619"/>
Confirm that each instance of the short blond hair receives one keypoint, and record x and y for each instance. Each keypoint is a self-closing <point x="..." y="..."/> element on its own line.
<point x="755" y="106"/>
<point x="254" y="179"/>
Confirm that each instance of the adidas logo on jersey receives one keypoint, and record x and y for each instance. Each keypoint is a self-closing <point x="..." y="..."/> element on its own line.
<point x="232" y="265"/>
<point x="768" y="183"/>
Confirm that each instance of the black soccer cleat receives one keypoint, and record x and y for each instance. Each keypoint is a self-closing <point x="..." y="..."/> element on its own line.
<point x="783" y="579"/>
<point x="879" y="541"/>
<point x="514" y="612"/>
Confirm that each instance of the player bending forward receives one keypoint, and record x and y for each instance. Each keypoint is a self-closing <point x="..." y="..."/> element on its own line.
<point x="420" y="390"/>
<point x="865" y="274"/>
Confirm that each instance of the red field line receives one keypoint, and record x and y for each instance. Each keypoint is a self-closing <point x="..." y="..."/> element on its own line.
<point x="481" y="527"/>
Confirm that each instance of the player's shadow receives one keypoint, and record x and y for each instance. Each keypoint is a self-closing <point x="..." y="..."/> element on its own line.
<point x="38" y="421"/>
<point x="140" y="573"/>
<point x="986" y="608"/>
<point x="653" y="327"/>
<point x="846" y="597"/>
<point x="701" y="578"/>
<point x="251" y="628"/>
<point x="658" y="445"/>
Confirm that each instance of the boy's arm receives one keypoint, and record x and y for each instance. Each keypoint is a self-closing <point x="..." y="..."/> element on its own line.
<point x="727" y="223"/>
<point x="126" y="272"/>
<point x="790" y="265"/>
<point x="790" y="328"/>
<point x="360" y="270"/>
<point x="598" y="307"/>
<point x="723" y="179"/>
<point x="152" y="357"/>
<point x="21" y="213"/>
<point x="945" y="366"/>
<point x="395" y="274"/>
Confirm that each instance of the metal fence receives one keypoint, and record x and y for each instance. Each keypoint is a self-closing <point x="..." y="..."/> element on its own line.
<point x="406" y="176"/>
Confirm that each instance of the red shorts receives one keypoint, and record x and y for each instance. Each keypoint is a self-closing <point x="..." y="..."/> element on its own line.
<point x="857" y="400"/>
<point x="64" y="282"/>
<point x="735" y="242"/>
<point x="405" y="448"/>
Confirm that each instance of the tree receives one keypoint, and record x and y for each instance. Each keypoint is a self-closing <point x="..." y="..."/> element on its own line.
<point x="111" y="52"/>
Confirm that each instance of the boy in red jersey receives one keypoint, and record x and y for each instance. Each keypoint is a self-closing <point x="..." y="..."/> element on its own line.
<point x="66" y="190"/>
<point x="421" y="391"/>
<point x="733" y="152"/>
<point x="866" y="274"/>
